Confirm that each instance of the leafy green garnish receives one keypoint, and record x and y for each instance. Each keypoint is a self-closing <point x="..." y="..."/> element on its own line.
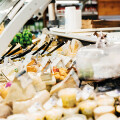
<point x="24" y="38"/>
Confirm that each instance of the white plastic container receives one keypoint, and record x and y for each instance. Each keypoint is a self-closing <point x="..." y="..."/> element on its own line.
<point x="72" y="19"/>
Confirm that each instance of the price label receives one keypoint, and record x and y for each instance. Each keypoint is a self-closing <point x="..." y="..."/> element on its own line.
<point x="27" y="59"/>
<point x="25" y="80"/>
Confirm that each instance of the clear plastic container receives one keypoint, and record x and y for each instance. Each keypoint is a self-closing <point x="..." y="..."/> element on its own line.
<point x="98" y="63"/>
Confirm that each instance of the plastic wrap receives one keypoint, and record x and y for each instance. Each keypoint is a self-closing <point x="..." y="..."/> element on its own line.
<point x="98" y="63"/>
<point x="75" y="117"/>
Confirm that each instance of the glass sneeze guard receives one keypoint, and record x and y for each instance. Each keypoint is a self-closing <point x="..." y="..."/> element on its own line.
<point x="5" y="7"/>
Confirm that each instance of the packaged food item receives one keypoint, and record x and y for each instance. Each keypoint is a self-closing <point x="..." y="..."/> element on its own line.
<point x="43" y="38"/>
<point x="10" y="71"/>
<point x="87" y="92"/>
<point x="65" y="49"/>
<point x="75" y="117"/>
<point x="90" y="118"/>
<point x="70" y="111"/>
<point x="38" y="84"/>
<point x="51" y="82"/>
<point x="45" y="63"/>
<point x="106" y="100"/>
<point x="103" y="110"/>
<point x="17" y="92"/>
<point x="46" y="76"/>
<point x="54" y="114"/>
<point x="22" y="106"/>
<point x="114" y="93"/>
<point x="60" y="73"/>
<point x="84" y="68"/>
<point x="36" y="116"/>
<point x="68" y="96"/>
<point x="53" y="56"/>
<point x="52" y="102"/>
<point x="5" y="111"/>
<point x="32" y="66"/>
<point x="87" y="107"/>
<point x="98" y="63"/>
<point x="66" y="60"/>
<point x="18" y="117"/>
<point x="58" y="63"/>
<point x="108" y="116"/>
<point x="75" y="45"/>
<point x="3" y="91"/>
<point x="69" y="82"/>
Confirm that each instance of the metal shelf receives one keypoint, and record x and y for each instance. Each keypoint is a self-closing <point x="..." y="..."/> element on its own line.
<point x="92" y="2"/>
<point x="89" y="13"/>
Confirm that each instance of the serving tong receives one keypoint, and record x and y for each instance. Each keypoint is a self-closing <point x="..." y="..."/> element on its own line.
<point x="11" y="48"/>
<point x="44" y="47"/>
<point x="47" y="45"/>
<point x="24" y="53"/>
<point x="8" y="54"/>
<point x="59" y="45"/>
<point x="39" y="49"/>
<point x="100" y="85"/>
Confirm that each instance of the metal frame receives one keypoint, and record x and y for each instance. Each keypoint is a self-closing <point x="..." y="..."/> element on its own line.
<point x="23" y="15"/>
